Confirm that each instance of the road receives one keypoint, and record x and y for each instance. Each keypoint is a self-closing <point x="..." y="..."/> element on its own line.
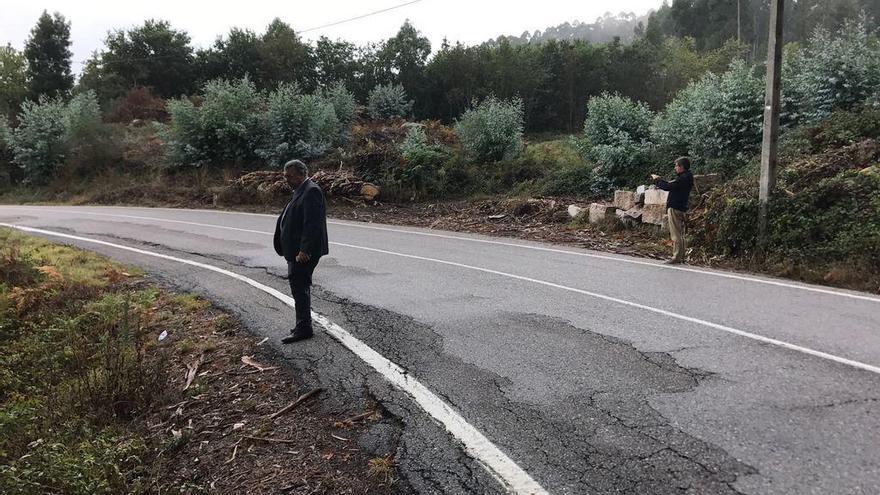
<point x="594" y="373"/>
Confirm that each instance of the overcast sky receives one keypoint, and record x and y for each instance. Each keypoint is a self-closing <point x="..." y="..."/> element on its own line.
<point x="469" y="21"/>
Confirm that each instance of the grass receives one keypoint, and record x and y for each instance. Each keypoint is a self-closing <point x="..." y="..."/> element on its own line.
<point x="77" y="366"/>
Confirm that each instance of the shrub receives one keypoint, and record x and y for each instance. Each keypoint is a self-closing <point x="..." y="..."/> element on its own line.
<point x="298" y="125"/>
<point x="5" y="152"/>
<point x="612" y="119"/>
<point x="39" y="140"/>
<point x="422" y="170"/>
<point x="577" y="180"/>
<point x="138" y="103"/>
<point x="90" y="142"/>
<point x="388" y="101"/>
<point x="225" y="130"/>
<point x="492" y="130"/>
<point x="616" y="135"/>
<point x="345" y="107"/>
<point x="185" y="139"/>
<point x="831" y="71"/>
<point x="230" y="117"/>
<point x="716" y="117"/>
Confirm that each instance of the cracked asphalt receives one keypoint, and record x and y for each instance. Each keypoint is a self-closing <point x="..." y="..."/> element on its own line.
<point x="586" y="395"/>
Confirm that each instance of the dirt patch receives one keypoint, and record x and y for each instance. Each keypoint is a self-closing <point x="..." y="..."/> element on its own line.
<point x="244" y="425"/>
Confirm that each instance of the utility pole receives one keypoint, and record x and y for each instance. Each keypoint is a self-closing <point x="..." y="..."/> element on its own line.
<point x="739" y="21"/>
<point x="771" y="115"/>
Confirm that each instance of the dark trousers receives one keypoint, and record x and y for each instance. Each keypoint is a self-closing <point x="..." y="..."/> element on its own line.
<point x="300" y="277"/>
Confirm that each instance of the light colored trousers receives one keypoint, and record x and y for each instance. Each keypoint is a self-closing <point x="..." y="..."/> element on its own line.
<point x="677" y="231"/>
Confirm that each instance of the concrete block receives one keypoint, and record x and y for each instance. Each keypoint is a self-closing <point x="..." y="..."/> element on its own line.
<point x="600" y="212"/>
<point x="630" y="218"/>
<point x="640" y="195"/>
<point x="654" y="214"/>
<point x="624" y="200"/>
<point x="575" y="211"/>
<point x="655" y="197"/>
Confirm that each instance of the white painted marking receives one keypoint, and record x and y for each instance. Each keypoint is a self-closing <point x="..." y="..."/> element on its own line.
<point x="717" y="326"/>
<point x="496" y="462"/>
<point x="656" y="265"/>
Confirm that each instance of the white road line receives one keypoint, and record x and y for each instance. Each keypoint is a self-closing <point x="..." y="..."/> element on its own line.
<point x="632" y="261"/>
<point x="496" y="462"/>
<point x="716" y="326"/>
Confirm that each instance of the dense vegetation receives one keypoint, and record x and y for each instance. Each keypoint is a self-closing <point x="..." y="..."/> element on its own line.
<point x="485" y="119"/>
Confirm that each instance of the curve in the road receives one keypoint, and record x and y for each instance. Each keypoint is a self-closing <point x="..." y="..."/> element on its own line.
<point x="732" y="276"/>
<point x="477" y="445"/>
<point x="759" y="338"/>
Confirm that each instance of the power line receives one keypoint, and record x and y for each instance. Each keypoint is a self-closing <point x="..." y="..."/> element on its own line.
<point x="335" y="23"/>
<point x="343" y="21"/>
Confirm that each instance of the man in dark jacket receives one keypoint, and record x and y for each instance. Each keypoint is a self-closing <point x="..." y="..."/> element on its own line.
<point x="301" y="237"/>
<point x="677" y="206"/>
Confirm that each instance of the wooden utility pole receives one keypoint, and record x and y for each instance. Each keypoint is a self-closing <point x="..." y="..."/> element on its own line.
<point x="771" y="115"/>
<point x="739" y="31"/>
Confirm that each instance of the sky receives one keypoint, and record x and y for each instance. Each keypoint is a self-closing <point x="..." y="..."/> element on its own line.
<point x="468" y="21"/>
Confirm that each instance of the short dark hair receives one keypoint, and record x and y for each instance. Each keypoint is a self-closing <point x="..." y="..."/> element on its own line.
<point x="300" y="167"/>
<point x="684" y="161"/>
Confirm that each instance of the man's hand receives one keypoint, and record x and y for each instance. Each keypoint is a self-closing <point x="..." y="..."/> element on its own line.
<point x="303" y="257"/>
<point x="655" y="177"/>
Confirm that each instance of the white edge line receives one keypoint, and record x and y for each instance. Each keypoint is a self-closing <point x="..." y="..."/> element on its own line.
<point x="357" y="225"/>
<point x="496" y="462"/>
<point x="717" y="326"/>
<point x="741" y="333"/>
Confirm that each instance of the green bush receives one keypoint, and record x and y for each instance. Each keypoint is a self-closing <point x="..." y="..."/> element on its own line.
<point x="422" y="171"/>
<point x="225" y="130"/>
<point x="185" y="140"/>
<point x="832" y="71"/>
<point x="298" y="126"/>
<point x="612" y="119"/>
<point x="230" y="116"/>
<point x="717" y="117"/>
<point x="345" y="107"/>
<point x="492" y="130"/>
<point x="388" y="102"/>
<point x="91" y="144"/>
<point x="616" y="138"/>
<point x="39" y="145"/>
<point x="6" y="171"/>
<point x="577" y="180"/>
<point x="836" y="220"/>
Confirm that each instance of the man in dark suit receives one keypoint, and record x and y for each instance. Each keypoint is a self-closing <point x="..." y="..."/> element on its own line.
<point x="301" y="237"/>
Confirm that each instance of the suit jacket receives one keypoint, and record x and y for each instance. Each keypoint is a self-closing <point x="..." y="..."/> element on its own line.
<point x="302" y="226"/>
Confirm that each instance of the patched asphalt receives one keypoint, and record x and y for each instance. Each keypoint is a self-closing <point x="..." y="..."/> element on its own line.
<point x="587" y="396"/>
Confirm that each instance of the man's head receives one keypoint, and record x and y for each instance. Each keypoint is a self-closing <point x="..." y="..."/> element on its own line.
<point x="295" y="172"/>
<point x="682" y="164"/>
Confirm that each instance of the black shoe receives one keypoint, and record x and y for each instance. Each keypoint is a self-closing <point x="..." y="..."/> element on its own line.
<point x="298" y="334"/>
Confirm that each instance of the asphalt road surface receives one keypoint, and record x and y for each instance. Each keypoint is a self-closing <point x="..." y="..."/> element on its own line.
<point x="594" y="373"/>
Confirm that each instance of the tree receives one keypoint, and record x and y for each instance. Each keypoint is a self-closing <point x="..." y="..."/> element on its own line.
<point x="285" y="58"/>
<point x="13" y="80"/>
<point x="404" y="55"/>
<point x="335" y="61"/>
<point x="48" y="56"/>
<point x="233" y="57"/>
<point x="153" y="55"/>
